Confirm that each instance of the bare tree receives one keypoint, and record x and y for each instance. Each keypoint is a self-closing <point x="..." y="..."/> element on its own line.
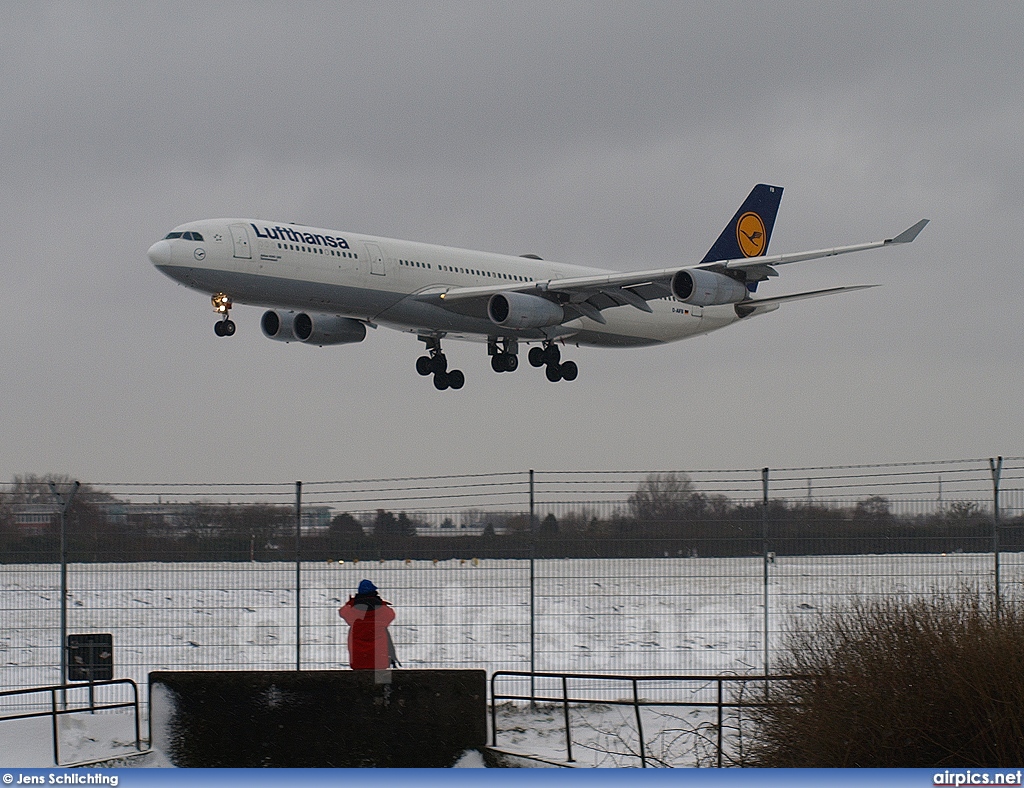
<point x="662" y="497"/>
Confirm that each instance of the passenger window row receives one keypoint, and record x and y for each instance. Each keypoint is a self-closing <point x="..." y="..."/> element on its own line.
<point x="318" y="250"/>
<point x="472" y="271"/>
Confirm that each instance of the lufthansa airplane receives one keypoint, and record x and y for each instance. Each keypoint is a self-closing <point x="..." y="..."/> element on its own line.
<point x="324" y="287"/>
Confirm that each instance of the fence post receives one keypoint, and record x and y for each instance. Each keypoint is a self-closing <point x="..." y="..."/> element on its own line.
<point x="533" y="625"/>
<point x="64" y="504"/>
<point x="298" y="576"/>
<point x="764" y="560"/>
<point x="720" y="720"/>
<point x="996" y="466"/>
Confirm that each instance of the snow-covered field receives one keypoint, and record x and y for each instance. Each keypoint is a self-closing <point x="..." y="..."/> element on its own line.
<point x="644" y="616"/>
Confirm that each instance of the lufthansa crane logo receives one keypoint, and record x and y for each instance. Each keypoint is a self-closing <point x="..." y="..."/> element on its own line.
<point x="751" y="235"/>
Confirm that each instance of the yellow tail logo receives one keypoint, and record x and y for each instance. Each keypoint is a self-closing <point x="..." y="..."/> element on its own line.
<point x="750" y="235"/>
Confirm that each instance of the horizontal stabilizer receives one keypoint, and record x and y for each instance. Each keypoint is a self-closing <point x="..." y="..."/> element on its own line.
<point x="755" y="302"/>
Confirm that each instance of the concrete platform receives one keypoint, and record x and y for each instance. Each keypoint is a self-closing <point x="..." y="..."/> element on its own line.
<point x="344" y="718"/>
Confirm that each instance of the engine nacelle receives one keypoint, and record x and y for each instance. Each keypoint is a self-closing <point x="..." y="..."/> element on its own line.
<point x="313" y="329"/>
<point x="520" y="310"/>
<point x="318" y="329"/>
<point x="706" y="288"/>
<point x="278" y="325"/>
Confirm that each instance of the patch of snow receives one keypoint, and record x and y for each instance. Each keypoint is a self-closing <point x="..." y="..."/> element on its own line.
<point x="81" y="737"/>
<point x="643" y="616"/>
<point x="470" y="759"/>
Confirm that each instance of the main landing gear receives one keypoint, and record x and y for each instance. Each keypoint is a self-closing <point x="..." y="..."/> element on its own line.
<point x="436" y="364"/>
<point x="504" y="359"/>
<point x="551" y="357"/>
<point x="503" y="356"/>
<point x="222" y="306"/>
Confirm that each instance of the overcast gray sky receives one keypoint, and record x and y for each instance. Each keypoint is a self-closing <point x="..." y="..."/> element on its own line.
<point x="609" y="134"/>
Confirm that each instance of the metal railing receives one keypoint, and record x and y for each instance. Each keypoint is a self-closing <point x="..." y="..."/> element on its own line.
<point x="53" y="712"/>
<point x="720" y="703"/>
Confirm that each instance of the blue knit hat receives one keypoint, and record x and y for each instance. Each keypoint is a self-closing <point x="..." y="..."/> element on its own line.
<point x="366" y="587"/>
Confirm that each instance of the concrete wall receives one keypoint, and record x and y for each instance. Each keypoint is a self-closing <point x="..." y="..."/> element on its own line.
<point x="399" y="718"/>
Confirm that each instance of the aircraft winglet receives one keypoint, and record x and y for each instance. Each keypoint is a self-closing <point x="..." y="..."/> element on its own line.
<point x="909" y="234"/>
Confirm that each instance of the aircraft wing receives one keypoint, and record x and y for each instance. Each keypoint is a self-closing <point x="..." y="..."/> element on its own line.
<point x="905" y="237"/>
<point x="591" y="294"/>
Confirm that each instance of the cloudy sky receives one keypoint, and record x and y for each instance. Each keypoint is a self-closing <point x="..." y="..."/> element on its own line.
<point x="609" y="134"/>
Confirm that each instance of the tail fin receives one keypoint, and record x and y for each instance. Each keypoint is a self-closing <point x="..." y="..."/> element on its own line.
<point x="750" y="230"/>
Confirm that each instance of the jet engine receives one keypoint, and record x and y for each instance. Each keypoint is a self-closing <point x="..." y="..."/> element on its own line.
<point x="520" y="310"/>
<point x="313" y="329"/>
<point x="278" y="325"/>
<point x="706" y="288"/>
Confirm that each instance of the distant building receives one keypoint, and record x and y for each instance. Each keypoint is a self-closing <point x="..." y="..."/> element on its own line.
<point x="470" y="523"/>
<point x="34" y="519"/>
<point x="316" y="518"/>
<point x="172" y="517"/>
<point x="115" y="512"/>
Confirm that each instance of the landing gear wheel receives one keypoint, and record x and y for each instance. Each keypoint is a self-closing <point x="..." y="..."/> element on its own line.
<point x="536" y="357"/>
<point x="424" y="365"/>
<point x="504" y="362"/>
<point x="229" y="328"/>
<point x="441" y="381"/>
<point x="218" y="328"/>
<point x="456" y="379"/>
<point x="569" y="370"/>
<point x="553" y="373"/>
<point x="439" y="364"/>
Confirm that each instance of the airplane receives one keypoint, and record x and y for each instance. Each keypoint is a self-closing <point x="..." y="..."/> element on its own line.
<point x="324" y="287"/>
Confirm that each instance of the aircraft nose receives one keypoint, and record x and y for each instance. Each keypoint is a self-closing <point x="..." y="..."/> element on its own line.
<point x="160" y="253"/>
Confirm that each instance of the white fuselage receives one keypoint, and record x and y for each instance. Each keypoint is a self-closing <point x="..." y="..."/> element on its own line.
<point x="376" y="280"/>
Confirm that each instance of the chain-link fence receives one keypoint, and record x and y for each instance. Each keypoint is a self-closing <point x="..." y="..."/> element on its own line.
<point x="625" y="572"/>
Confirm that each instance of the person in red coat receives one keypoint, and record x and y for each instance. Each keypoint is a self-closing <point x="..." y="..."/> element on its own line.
<point x="368" y="617"/>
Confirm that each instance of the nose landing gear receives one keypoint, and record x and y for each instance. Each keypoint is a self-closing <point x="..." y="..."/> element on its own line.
<point x="436" y="364"/>
<point x="550" y="356"/>
<point x="222" y="306"/>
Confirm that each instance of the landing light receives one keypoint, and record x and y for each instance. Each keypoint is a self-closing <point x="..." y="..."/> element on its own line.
<point x="221" y="303"/>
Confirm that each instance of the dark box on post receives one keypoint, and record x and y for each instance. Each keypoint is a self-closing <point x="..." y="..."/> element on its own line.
<point x="90" y="657"/>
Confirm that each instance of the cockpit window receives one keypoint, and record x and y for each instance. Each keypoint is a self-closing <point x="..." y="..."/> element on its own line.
<point x="169" y="236"/>
<point x="189" y="236"/>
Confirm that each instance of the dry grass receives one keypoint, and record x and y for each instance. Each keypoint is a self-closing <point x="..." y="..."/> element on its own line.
<point x="897" y="683"/>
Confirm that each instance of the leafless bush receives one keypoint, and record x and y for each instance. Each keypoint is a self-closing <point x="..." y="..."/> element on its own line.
<point x="899" y="683"/>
